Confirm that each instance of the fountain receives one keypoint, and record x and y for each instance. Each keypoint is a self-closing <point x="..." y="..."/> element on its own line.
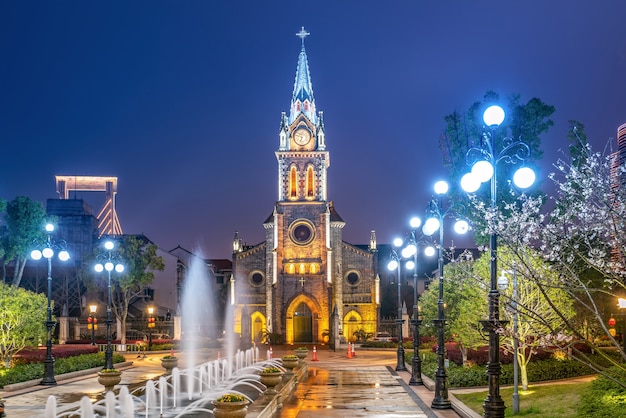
<point x="186" y="392"/>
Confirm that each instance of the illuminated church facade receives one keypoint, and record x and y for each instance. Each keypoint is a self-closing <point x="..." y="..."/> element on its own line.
<point x="303" y="284"/>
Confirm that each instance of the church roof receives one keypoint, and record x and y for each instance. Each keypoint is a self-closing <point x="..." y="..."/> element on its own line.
<point x="334" y="215"/>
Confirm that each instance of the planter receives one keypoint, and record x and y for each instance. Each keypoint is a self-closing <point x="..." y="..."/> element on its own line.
<point x="271" y="379"/>
<point x="109" y="379"/>
<point x="290" y="363"/>
<point x="168" y="364"/>
<point x="230" y="409"/>
<point x="301" y="354"/>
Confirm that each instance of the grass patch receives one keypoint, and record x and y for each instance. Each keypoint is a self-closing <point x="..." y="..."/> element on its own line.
<point x="540" y="401"/>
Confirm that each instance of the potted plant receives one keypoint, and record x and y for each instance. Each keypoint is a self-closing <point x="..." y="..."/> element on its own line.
<point x="230" y="405"/>
<point x="302" y="352"/>
<point x="290" y="361"/>
<point x="271" y="377"/>
<point x="169" y="362"/>
<point x="109" y="378"/>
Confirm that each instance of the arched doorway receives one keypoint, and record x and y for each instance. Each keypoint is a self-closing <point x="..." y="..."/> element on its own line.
<point x="351" y="324"/>
<point x="258" y="327"/>
<point x="303" y="324"/>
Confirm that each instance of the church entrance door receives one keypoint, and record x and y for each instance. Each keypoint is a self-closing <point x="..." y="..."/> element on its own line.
<point x="303" y="324"/>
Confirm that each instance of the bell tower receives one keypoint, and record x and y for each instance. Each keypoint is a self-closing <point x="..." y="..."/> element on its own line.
<point x="302" y="156"/>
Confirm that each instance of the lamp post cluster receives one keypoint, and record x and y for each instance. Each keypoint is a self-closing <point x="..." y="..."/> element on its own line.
<point x="46" y="250"/>
<point x="395" y="264"/>
<point x="109" y="261"/>
<point x="434" y="222"/>
<point x="409" y="252"/>
<point x="484" y="159"/>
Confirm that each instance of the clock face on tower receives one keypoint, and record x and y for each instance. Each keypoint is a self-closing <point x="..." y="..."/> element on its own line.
<point x="302" y="136"/>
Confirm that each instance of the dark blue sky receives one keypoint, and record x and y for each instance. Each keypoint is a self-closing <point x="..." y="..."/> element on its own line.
<point x="181" y="100"/>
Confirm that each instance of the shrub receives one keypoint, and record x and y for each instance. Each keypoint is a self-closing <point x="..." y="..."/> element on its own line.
<point x="231" y="397"/>
<point x="603" y="398"/>
<point x="270" y="370"/>
<point x="31" y="371"/>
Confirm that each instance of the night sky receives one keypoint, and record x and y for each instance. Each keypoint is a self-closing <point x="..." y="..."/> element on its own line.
<point x="181" y="100"/>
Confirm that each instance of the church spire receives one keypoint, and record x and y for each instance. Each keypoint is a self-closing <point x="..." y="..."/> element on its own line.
<point x="302" y="100"/>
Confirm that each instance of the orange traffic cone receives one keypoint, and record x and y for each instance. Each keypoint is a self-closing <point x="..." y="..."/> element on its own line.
<point x="314" y="354"/>
<point x="271" y="353"/>
<point x="353" y="351"/>
<point x="349" y="351"/>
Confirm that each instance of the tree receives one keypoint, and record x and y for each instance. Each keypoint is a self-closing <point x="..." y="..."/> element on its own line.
<point x="537" y="320"/>
<point x="465" y="300"/>
<point x="22" y="315"/>
<point x="24" y="220"/>
<point x="582" y="240"/>
<point x="140" y="259"/>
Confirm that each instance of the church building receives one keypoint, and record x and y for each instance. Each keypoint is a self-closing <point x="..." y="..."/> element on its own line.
<point x="304" y="284"/>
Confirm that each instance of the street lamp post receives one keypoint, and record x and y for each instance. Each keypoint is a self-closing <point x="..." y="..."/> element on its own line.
<point x="434" y="222"/>
<point x="48" y="252"/>
<point x="416" y="361"/>
<point x="621" y="304"/>
<point x="151" y="325"/>
<point x="394" y="264"/>
<point x="108" y="262"/>
<point x="92" y="322"/>
<point x="503" y="283"/>
<point x="486" y="157"/>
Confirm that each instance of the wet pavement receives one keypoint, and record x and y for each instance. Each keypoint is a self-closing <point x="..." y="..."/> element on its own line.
<point x="337" y="386"/>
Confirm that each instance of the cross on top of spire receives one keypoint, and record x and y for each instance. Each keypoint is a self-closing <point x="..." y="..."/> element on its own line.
<point x="302" y="34"/>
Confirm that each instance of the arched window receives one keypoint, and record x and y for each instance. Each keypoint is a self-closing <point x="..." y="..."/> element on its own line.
<point x="293" y="183"/>
<point x="310" y="189"/>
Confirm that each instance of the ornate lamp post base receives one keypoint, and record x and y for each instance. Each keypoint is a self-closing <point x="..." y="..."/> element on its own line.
<point x="494" y="404"/>
<point x="416" y="361"/>
<point x="400" y="366"/>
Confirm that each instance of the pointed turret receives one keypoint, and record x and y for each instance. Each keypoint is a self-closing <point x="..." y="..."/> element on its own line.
<point x="302" y="100"/>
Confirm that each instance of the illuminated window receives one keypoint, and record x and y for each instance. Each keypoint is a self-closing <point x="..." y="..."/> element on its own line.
<point x="309" y="182"/>
<point x="315" y="268"/>
<point x="306" y="105"/>
<point x="290" y="268"/>
<point x="293" y="183"/>
<point x="302" y="268"/>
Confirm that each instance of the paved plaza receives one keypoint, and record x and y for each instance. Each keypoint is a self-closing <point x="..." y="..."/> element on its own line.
<point x="363" y="386"/>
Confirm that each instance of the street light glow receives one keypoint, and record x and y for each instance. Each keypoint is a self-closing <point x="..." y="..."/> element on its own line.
<point x="493" y="116"/>
<point x="524" y="177"/>
<point x="482" y="170"/>
<point x="470" y="183"/>
<point x="441" y="187"/>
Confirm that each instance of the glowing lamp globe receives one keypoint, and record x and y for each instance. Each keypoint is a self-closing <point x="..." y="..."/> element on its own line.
<point x="461" y="226"/>
<point x="470" y="183"/>
<point x="415" y="222"/>
<point x="409" y="251"/>
<point x="482" y="170"/>
<point x="441" y="187"/>
<point x="493" y="115"/>
<point x="524" y="177"/>
<point x="430" y="226"/>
